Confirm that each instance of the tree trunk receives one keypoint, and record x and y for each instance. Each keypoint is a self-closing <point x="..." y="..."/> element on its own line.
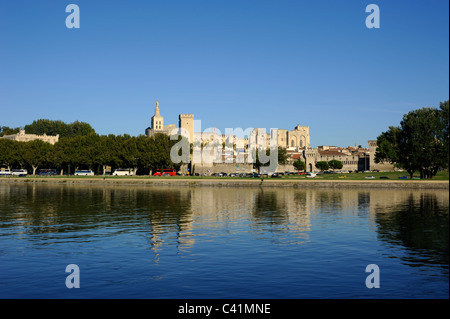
<point x="34" y="169"/>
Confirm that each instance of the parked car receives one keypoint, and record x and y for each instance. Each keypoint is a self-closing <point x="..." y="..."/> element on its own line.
<point x="311" y="175"/>
<point x="47" y="172"/>
<point x="276" y="175"/>
<point x="166" y="172"/>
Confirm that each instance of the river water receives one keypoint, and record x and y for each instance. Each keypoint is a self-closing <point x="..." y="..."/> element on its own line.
<point x="222" y="242"/>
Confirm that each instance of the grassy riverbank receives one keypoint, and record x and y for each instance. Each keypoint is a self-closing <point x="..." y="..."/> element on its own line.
<point x="441" y="176"/>
<point x="357" y="180"/>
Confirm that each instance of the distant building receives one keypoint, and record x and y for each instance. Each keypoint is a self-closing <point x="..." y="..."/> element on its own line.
<point x="232" y="152"/>
<point x="353" y="159"/>
<point x="373" y="165"/>
<point x="23" y="137"/>
<point x="186" y="122"/>
<point x="297" y="138"/>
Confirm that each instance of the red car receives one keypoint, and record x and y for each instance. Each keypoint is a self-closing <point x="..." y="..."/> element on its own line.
<point x="166" y="172"/>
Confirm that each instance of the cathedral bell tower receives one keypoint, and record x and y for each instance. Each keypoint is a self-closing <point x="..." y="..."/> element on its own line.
<point x="157" y="120"/>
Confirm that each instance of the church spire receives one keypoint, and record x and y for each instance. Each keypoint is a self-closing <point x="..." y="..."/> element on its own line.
<point x="157" y="108"/>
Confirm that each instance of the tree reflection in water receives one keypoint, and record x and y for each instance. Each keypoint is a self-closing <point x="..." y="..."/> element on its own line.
<point x="420" y="224"/>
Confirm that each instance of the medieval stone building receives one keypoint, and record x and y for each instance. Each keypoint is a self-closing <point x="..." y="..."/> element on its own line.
<point x="23" y="137"/>
<point x="230" y="152"/>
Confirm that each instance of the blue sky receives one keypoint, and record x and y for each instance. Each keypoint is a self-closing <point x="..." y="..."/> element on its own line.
<point x="246" y="63"/>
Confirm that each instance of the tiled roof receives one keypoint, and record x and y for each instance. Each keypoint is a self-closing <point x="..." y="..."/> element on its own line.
<point x="336" y="153"/>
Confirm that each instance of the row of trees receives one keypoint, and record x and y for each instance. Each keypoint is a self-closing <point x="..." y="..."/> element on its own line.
<point x="96" y="152"/>
<point x="321" y="165"/>
<point x="420" y="143"/>
<point x="90" y="151"/>
<point x="79" y="147"/>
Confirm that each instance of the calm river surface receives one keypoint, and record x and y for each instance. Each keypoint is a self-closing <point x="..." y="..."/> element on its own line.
<point x="222" y="242"/>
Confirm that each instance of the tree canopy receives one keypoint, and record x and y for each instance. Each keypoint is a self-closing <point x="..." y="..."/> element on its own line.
<point x="91" y="151"/>
<point x="420" y="143"/>
<point x="322" y="165"/>
<point x="299" y="165"/>
<point x="51" y="127"/>
<point x="335" y="164"/>
<point x="6" y="130"/>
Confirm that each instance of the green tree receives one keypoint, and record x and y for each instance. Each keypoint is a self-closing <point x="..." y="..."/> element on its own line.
<point x="283" y="157"/>
<point x="60" y="157"/>
<point x="130" y="152"/>
<point x="6" y="130"/>
<point x="322" y="165"/>
<point x="421" y="139"/>
<point x="335" y="164"/>
<point x="299" y="165"/>
<point x="420" y="143"/>
<point x="51" y="127"/>
<point x="104" y="153"/>
<point x="388" y="149"/>
<point x="36" y="153"/>
<point x="162" y="145"/>
<point x="444" y="134"/>
<point x="9" y="152"/>
<point x="146" y="150"/>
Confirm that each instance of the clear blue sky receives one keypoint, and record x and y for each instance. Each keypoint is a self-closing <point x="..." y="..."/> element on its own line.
<point x="233" y="63"/>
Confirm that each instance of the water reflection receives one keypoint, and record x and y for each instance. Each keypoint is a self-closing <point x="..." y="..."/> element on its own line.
<point x="419" y="223"/>
<point x="183" y="217"/>
<point x="275" y="214"/>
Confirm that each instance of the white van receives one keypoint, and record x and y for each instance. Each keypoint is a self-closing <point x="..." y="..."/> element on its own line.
<point x="311" y="175"/>
<point x="19" y="172"/>
<point x="84" y="173"/>
<point x="123" y="172"/>
<point x="5" y="171"/>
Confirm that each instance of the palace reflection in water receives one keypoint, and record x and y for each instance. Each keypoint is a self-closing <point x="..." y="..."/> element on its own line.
<point x="182" y="220"/>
